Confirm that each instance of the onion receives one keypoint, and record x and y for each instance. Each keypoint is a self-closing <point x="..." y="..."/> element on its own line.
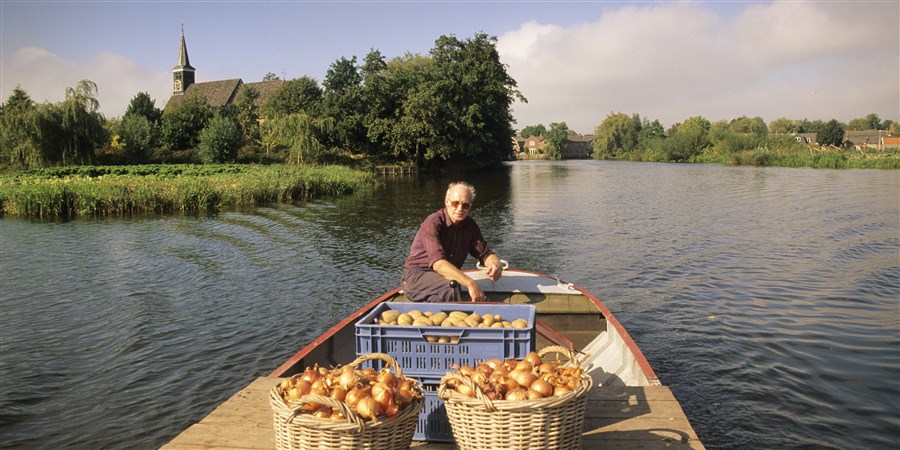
<point x="560" y="390"/>
<point x="339" y="393"/>
<point x="494" y="363"/>
<point x="323" y="413"/>
<point x="517" y="395"/>
<point x="522" y="377"/>
<point x="382" y="394"/>
<point x="534" y="359"/>
<point x="391" y="411"/>
<point x="534" y="395"/>
<point x="524" y="366"/>
<point x="348" y="379"/>
<point x="310" y="375"/>
<point x="546" y="367"/>
<point x="353" y="397"/>
<point x="368" y="408"/>
<point x="542" y="387"/>
<point x="387" y="378"/>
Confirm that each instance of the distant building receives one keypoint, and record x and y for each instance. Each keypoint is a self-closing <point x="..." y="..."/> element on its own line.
<point x="578" y="146"/>
<point x="217" y="93"/>
<point x="868" y="139"/>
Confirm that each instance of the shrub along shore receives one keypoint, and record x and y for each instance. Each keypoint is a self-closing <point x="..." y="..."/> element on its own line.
<point x="164" y="189"/>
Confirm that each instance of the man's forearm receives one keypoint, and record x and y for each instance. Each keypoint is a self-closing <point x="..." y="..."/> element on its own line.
<point x="451" y="272"/>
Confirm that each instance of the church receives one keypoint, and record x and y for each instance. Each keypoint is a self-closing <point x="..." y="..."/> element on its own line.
<point x="217" y="93"/>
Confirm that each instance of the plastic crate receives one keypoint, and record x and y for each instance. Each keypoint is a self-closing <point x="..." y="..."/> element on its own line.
<point x="471" y="346"/>
<point x="434" y="425"/>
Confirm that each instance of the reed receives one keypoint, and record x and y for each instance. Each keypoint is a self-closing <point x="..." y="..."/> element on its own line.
<point x="98" y="191"/>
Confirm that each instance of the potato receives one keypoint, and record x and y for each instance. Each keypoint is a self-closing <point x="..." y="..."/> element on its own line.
<point x="444" y="339"/>
<point x="506" y="324"/>
<point x="472" y="323"/>
<point x="416" y="314"/>
<point x="431" y="338"/>
<point x="497" y="325"/>
<point x="458" y="315"/>
<point x="520" y="323"/>
<point x="405" y="319"/>
<point x="475" y="317"/>
<point x="448" y="323"/>
<point x="423" y="322"/>
<point x="439" y="317"/>
<point x="487" y="320"/>
<point x="390" y="315"/>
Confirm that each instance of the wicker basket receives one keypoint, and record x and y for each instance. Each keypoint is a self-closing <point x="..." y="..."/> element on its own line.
<point x="549" y="423"/>
<point x="294" y="430"/>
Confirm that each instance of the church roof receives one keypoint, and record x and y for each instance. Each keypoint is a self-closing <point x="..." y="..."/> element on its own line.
<point x="224" y="92"/>
<point x="217" y="93"/>
<point x="183" y="60"/>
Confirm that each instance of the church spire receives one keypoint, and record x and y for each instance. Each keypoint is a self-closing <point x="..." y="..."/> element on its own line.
<point x="183" y="73"/>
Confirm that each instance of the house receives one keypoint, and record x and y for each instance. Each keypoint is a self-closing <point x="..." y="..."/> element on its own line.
<point x="867" y="139"/>
<point x="806" y="138"/>
<point x="579" y="147"/>
<point x="217" y="93"/>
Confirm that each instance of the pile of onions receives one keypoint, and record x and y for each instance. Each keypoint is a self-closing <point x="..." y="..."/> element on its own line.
<point x="369" y="393"/>
<point x="527" y="379"/>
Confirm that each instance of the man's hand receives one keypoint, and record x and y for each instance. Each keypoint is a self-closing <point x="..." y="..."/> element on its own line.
<point x="494" y="271"/>
<point x="475" y="292"/>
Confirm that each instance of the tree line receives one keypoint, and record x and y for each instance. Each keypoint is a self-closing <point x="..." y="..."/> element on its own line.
<point x="624" y="136"/>
<point x="450" y="107"/>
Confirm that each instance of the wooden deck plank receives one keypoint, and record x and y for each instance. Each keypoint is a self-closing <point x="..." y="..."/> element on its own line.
<point x="622" y="418"/>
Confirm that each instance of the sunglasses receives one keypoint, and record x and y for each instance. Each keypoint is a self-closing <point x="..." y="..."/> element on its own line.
<point x="457" y="203"/>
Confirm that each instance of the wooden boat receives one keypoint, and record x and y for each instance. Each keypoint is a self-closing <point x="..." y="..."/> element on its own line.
<point x="628" y="407"/>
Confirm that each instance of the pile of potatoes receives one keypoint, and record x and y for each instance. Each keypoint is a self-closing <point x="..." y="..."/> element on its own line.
<point x="418" y="318"/>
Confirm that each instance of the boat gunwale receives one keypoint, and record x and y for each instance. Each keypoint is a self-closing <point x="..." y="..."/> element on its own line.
<point x="611" y="319"/>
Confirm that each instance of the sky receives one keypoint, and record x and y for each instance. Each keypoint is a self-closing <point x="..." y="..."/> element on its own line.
<point x="575" y="62"/>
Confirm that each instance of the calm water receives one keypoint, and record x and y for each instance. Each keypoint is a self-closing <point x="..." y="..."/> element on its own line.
<point x="767" y="298"/>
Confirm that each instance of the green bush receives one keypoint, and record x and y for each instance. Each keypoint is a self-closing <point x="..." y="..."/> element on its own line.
<point x="219" y="141"/>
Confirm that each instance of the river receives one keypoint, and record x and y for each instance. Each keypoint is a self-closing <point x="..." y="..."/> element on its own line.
<point x="768" y="299"/>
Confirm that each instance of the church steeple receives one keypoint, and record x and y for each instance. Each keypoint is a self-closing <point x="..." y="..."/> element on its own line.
<point x="183" y="73"/>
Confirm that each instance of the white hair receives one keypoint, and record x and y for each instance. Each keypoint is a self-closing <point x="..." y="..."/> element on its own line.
<point x="463" y="184"/>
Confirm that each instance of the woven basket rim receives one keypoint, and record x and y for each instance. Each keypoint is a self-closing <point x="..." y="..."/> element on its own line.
<point x="354" y="423"/>
<point x="481" y="400"/>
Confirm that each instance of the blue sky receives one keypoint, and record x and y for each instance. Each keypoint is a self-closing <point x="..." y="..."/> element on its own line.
<point x="575" y="61"/>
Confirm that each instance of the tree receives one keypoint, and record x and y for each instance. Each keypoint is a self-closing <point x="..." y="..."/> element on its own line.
<point x="298" y="95"/>
<point x="616" y="135"/>
<point x="558" y="136"/>
<point x="475" y="94"/>
<point x="342" y="102"/>
<point x="248" y="113"/>
<point x="141" y="104"/>
<point x="137" y="132"/>
<point x="687" y="140"/>
<point x="783" y="125"/>
<point x="219" y="141"/>
<point x="300" y="133"/>
<point x="181" y="127"/>
<point x="651" y="133"/>
<point x="870" y="122"/>
<point x="533" y="130"/>
<point x="832" y="133"/>
<point x="16" y="127"/>
<point x="82" y="124"/>
<point x="755" y="126"/>
<point x="270" y="77"/>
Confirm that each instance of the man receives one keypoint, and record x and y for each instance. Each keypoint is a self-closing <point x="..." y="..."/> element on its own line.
<point x="440" y="248"/>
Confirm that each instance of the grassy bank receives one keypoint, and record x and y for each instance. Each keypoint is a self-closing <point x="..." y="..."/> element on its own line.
<point x="164" y="189"/>
<point x="822" y="159"/>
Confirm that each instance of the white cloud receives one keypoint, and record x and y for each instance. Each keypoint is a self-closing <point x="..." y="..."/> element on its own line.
<point x="672" y="61"/>
<point x="45" y="77"/>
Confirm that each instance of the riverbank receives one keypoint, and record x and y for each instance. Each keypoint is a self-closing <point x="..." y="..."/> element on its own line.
<point x="166" y="189"/>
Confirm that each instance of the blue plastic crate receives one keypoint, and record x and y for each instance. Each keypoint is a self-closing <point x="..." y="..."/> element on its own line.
<point x="433" y="425"/>
<point x="418" y="357"/>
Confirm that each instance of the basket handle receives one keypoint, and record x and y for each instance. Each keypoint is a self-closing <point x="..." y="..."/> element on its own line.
<point x="560" y="350"/>
<point x="388" y="359"/>
<point x="307" y="399"/>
